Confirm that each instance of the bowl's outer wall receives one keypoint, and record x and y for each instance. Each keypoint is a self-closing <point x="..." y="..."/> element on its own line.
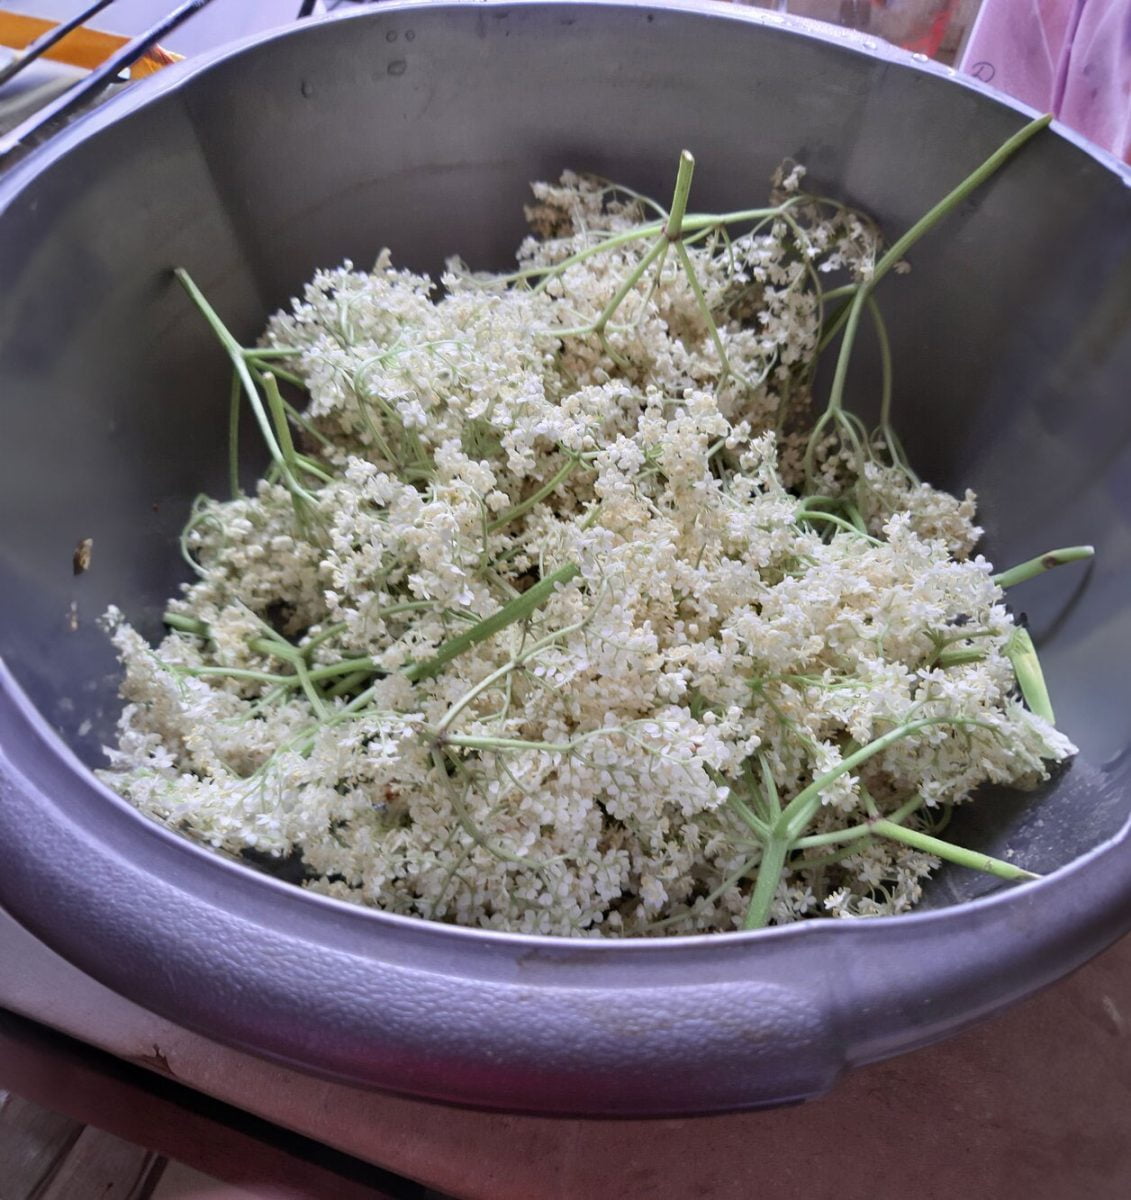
<point x="419" y="127"/>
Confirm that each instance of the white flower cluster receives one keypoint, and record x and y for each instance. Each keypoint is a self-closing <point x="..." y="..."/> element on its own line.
<point x="561" y="637"/>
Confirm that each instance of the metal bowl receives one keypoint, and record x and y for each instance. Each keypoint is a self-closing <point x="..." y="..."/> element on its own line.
<point x="418" y="126"/>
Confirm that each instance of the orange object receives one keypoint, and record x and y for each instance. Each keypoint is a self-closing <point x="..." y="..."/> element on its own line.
<point x="81" y="47"/>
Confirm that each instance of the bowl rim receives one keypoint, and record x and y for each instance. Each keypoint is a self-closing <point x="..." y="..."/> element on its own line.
<point x="181" y="76"/>
<point x="175" y="76"/>
<point x="745" y="1018"/>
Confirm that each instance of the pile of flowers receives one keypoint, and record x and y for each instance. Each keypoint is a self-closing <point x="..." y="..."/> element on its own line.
<point x="558" y="611"/>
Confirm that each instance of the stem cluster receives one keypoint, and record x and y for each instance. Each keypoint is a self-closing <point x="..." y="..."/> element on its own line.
<point x="783" y="829"/>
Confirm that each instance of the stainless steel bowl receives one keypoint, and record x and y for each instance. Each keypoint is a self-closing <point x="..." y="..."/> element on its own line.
<point x="418" y="126"/>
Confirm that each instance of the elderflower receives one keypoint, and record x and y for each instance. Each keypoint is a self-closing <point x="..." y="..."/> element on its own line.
<point x="555" y="635"/>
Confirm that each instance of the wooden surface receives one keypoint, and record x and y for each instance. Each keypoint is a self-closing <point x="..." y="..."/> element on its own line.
<point x="45" y="1155"/>
<point x="78" y="1124"/>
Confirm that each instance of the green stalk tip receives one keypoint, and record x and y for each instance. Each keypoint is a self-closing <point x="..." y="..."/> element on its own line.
<point x="942" y="209"/>
<point x="1030" y="678"/>
<point x="949" y="852"/>
<point x="190" y="625"/>
<point x="1043" y="562"/>
<point x="674" y="228"/>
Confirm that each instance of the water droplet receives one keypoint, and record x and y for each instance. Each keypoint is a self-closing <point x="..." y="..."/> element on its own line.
<point x="920" y="57"/>
<point x="307" y="88"/>
<point x="397" y="67"/>
<point x="391" y="36"/>
<point x="409" y="34"/>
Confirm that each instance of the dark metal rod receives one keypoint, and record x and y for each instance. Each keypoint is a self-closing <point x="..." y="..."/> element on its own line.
<point x="46" y="40"/>
<point x="97" y="80"/>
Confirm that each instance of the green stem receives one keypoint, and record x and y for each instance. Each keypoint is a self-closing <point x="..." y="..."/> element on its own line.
<point x="855" y="832"/>
<point x="346" y="685"/>
<point x="824" y="860"/>
<point x="769" y="785"/>
<point x="191" y="625"/>
<point x="310" y="690"/>
<point x="331" y="631"/>
<point x="962" y="634"/>
<point x="832" y="519"/>
<point x="1040" y="564"/>
<point x="856" y="517"/>
<point x="958" y="656"/>
<point x="278" y="406"/>
<point x="239" y="361"/>
<point x="710" y="898"/>
<point x="545" y="274"/>
<point x="259" y="352"/>
<point x="1030" y="678"/>
<point x="948" y="851"/>
<point x="517" y="610"/>
<point x="591" y="516"/>
<point x="405" y="606"/>
<point x="704" y="308"/>
<point x="468" y="824"/>
<point x="347" y="666"/>
<point x="234" y="437"/>
<point x="236" y="354"/>
<point x="282" y="373"/>
<point x="496" y="676"/>
<point x="674" y="228"/>
<point x="770" y="871"/>
<point x="844" y="292"/>
<point x="303" y="743"/>
<point x="844" y="355"/>
<point x="803" y="807"/>
<point x="691" y="223"/>
<point x="759" y="827"/>
<point x="809" y="501"/>
<point x="885" y="366"/>
<point x="279" y="416"/>
<point x="928" y="221"/>
<point x="353" y="667"/>
<point x="235" y="673"/>
<point x="660" y="246"/>
<point x="946" y="205"/>
<point x="498" y="743"/>
<point x="264" y="645"/>
<point x="307" y="426"/>
<point x="524" y="506"/>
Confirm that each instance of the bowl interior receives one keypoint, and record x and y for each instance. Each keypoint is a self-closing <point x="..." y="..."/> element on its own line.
<point x="1010" y="334"/>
